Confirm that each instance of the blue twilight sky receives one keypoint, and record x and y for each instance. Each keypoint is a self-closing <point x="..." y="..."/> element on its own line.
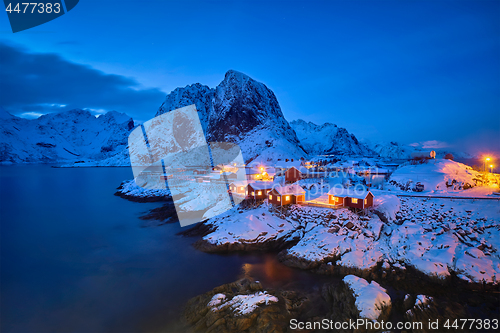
<point x="407" y="71"/>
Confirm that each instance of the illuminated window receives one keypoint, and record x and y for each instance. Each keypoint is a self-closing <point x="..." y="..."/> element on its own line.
<point x="259" y="193"/>
<point x="279" y="198"/>
<point x="354" y="200"/>
<point x="366" y="201"/>
<point x="287" y="198"/>
<point x="241" y="188"/>
<point x="253" y="193"/>
<point x="270" y="197"/>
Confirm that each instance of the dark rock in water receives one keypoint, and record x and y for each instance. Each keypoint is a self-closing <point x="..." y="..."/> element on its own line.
<point x="134" y="198"/>
<point x="198" y="229"/>
<point x="293" y="261"/>
<point x="267" y="245"/>
<point x="165" y="213"/>
<point x="266" y="317"/>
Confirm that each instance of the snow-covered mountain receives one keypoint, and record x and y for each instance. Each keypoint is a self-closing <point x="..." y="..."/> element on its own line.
<point x="395" y="150"/>
<point x="392" y="150"/>
<point x="328" y="139"/>
<point x="67" y="136"/>
<point x="239" y="110"/>
<point x="243" y="111"/>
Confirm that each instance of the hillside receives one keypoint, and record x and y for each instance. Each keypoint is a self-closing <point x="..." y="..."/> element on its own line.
<point x="435" y="175"/>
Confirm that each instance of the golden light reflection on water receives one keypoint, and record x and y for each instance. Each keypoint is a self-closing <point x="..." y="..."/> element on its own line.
<point x="269" y="271"/>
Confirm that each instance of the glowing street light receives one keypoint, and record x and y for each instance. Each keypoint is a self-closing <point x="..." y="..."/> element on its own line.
<point x="491" y="168"/>
<point x="487" y="159"/>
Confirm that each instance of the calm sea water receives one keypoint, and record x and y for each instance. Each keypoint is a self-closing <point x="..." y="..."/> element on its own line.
<point x="76" y="258"/>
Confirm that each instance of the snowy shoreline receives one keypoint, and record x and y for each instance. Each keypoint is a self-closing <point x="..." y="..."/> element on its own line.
<point x="439" y="238"/>
<point x="430" y="237"/>
<point x="130" y="191"/>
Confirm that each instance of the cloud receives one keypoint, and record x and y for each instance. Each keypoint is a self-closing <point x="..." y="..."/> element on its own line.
<point x="46" y="82"/>
<point x="430" y="144"/>
<point x="434" y="144"/>
<point x="31" y="115"/>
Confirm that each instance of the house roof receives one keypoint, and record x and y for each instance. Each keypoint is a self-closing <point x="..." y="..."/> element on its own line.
<point x="293" y="189"/>
<point x="288" y="165"/>
<point x="293" y="167"/>
<point x="262" y="185"/>
<point x="351" y="193"/>
<point x="239" y="183"/>
<point x="256" y="170"/>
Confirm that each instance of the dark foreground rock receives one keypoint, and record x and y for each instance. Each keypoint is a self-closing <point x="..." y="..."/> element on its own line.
<point x="164" y="214"/>
<point x="217" y="311"/>
<point x="263" y="246"/>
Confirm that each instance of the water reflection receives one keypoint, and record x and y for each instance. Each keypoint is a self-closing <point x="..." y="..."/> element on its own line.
<point x="270" y="271"/>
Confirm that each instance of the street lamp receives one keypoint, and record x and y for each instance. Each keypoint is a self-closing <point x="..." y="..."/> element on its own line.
<point x="491" y="168"/>
<point x="487" y="159"/>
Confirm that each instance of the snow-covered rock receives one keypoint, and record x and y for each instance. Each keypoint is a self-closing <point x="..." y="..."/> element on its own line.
<point x="371" y="298"/>
<point x="388" y="205"/>
<point x="241" y="304"/>
<point x="245" y="230"/>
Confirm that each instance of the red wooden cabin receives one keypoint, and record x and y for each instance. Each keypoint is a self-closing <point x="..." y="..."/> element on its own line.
<point x="285" y="195"/>
<point x="292" y="175"/>
<point x="350" y="198"/>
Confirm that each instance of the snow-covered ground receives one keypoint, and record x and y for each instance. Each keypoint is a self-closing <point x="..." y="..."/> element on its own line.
<point x="434" y="236"/>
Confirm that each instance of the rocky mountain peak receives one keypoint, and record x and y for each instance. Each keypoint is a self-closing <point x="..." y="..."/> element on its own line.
<point x="239" y="110"/>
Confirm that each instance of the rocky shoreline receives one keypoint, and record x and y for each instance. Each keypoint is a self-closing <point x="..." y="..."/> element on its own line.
<point x="413" y="246"/>
<point x="342" y="243"/>
<point x="130" y="191"/>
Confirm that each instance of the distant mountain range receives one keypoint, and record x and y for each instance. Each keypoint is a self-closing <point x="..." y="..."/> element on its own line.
<point x="239" y="110"/>
<point x="67" y="136"/>
<point x="328" y="139"/>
